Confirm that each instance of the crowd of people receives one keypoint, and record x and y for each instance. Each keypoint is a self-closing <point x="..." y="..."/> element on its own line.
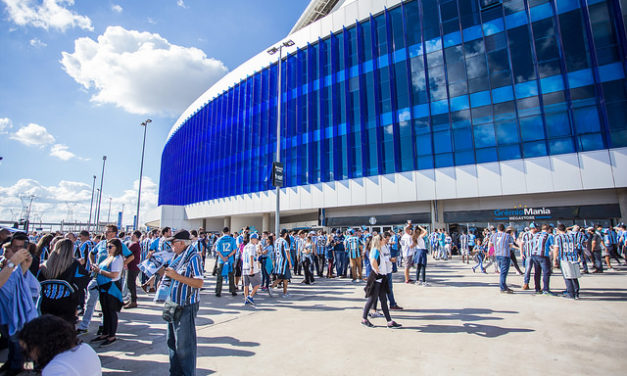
<point x="50" y="281"/>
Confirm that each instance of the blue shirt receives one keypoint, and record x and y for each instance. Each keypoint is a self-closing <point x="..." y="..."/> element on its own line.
<point x="281" y="252"/>
<point x="527" y="240"/>
<point x="187" y="264"/>
<point x="352" y="246"/>
<point x="101" y="253"/>
<point x="566" y="246"/>
<point x="501" y="242"/>
<point x="542" y="242"/>
<point x="225" y="245"/>
<point x="84" y="250"/>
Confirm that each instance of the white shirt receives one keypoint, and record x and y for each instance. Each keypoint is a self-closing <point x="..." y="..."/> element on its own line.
<point x="79" y="361"/>
<point x="420" y="243"/>
<point x="116" y="266"/>
<point x="250" y="250"/>
<point x="385" y="249"/>
<point x="406" y="243"/>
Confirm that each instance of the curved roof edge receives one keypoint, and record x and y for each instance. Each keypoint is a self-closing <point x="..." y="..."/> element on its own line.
<point x="314" y="11"/>
<point x="347" y="13"/>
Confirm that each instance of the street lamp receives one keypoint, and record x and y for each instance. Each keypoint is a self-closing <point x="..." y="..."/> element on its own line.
<point x="272" y="51"/>
<point x="91" y="204"/>
<point x="141" y="172"/>
<point x="104" y="160"/>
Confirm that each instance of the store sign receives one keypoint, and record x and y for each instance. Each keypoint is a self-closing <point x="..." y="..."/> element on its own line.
<point x="522" y="214"/>
<point x="277" y="174"/>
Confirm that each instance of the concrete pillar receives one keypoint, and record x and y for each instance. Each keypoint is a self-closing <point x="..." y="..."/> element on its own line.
<point x="437" y="214"/>
<point x="265" y="222"/>
<point x="622" y="203"/>
<point x="227" y="222"/>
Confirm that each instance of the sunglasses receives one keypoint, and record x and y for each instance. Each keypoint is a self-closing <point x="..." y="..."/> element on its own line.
<point x="110" y="246"/>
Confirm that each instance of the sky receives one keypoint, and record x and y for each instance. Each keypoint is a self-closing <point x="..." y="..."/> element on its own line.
<point x="78" y="77"/>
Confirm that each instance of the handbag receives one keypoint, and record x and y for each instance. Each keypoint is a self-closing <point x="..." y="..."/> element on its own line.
<point x="171" y="311"/>
<point x="570" y="269"/>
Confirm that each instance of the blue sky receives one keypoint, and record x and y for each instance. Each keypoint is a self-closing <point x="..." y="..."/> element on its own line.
<point x="78" y="77"/>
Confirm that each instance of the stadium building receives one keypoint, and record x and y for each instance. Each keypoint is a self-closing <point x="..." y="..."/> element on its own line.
<point x="442" y="112"/>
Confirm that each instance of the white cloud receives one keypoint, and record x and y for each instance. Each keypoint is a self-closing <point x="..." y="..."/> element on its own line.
<point x="141" y="72"/>
<point x="52" y="202"/>
<point x="33" y="135"/>
<point x="62" y="152"/>
<point x="49" y="14"/>
<point x="181" y="3"/>
<point x="37" y="43"/>
<point x="116" y="8"/>
<point x="5" y="125"/>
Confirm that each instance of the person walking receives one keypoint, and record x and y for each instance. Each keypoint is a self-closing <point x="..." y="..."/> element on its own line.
<point x="502" y="241"/>
<point x="185" y="276"/>
<point x="376" y="287"/>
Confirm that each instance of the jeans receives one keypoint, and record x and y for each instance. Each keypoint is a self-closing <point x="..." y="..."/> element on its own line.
<point x="598" y="260"/>
<point x="219" y="281"/>
<point x="512" y="255"/>
<point x="421" y="265"/>
<point x="321" y="265"/>
<point x="181" y="341"/>
<point x="528" y="266"/>
<point x="131" y="282"/>
<point x="391" y="291"/>
<point x="479" y="257"/>
<point x="265" y="277"/>
<point x="503" y="262"/>
<point x="582" y="256"/>
<point x="542" y="263"/>
<point x="92" y="298"/>
<point x="340" y="263"/>
<point x="309" y="278"/>
<point x="572" y="286"/>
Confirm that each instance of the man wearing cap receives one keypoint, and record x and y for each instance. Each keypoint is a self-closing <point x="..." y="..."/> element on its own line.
<point x="185" y="275"/>
<point x="526" y="244"/>
<point x="226" y="248"/>
<point x="250" y="268"/>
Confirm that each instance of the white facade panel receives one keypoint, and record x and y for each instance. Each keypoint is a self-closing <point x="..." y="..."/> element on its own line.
<point x="406" y="187"/>
<point x="513" y="177"/>
<point x="388" y="188"/>
<point x="425" y="184"/>
<point x="294" y="200"/>
<point x="489" y="179"/>
<point x="317" y="196"/>
<point x="337" y="20"/>
<point x="351" y="13"/>
<point x="445" y="186"/>
<point x="618" y="157"/>
<point x="305" y="194"/>
<point x="373" y="190"/>
<point x="257" y="203"/>
<point x="466" y="181"/>
<point x="539" y="175"/>
<point x="566" y="176"/>
<point x="342" y="188"/>
<point x="358" y="191"/>
<point x="596" y="170"/>
<point x="330" y="195"/>
<point x="363" y="8"/>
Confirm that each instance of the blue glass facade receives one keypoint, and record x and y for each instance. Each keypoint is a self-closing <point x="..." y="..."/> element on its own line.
<point x="426" y="84"/>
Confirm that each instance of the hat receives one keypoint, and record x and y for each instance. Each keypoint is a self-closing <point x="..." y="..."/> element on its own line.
<point x="254" y="235"/>
<point x="180" y="235"/>
<point x="532" y="225"/>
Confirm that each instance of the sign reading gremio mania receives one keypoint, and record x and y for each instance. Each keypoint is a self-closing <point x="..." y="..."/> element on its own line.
<point x="542" y="213"/>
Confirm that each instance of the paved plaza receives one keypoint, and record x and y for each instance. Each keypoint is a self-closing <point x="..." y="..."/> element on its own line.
<point x="461" y="324"/>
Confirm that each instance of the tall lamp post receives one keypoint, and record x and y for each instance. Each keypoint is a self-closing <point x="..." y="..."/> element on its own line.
<point x="272" y="51"/>
<point x="104" y="161"/>
<point x="91" y="204"/>
<point x="141" y="172"/>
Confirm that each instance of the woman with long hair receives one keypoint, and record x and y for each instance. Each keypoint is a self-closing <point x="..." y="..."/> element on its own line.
<point x="307" y="257"/>
<point x="420" y="246"/>
<point x="110" y="288"/>
<point x="377" y="285"/>
<point x="43" y="248"/>
<point x="329" y="255"/>
<point x="58" y="298"/>
<point x="51" y="343"/>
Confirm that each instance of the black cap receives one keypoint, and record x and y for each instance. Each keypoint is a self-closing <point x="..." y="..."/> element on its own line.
<point x="180" y="235"/>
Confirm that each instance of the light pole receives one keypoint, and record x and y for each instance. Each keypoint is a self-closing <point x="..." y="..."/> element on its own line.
<point x="91" y="204"/>
<point x="104" y="160"/>
<point x="141" y="172"/>
<point x="272" y="51"/>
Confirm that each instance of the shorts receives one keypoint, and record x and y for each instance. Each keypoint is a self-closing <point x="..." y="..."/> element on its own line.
<point x="465" y="251"/>
<point x="254" y="280"/>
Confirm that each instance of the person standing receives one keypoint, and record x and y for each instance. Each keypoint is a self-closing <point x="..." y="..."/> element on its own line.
<point x="353" y="246"/>
<point x="226" y="248"/>
<point x="108" y="273"/>
<point x="133" y="270"/>
<point x="565" y="251"/>
<point x="406" y="251"/>
<point x="250" y="268"/>
<point x="283" y="261"/>
<point x="463" y="245"/>
<point x="186" y="277"/>
<point x="526" y="244"/>
<point x="540" y="257"/>
<point x="580" y="246"/>
<point x="376" y="287"/>
<point x="321" y="247"/>
<point x="339" y="252"/>
<point x="502" y="241"/>
<point x="329" y="254"/>
<point x="420" y="247"/>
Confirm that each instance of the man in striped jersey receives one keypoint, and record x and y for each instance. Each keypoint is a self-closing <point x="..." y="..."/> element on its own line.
<point x="321" y="246"/>
<point x="565" y="250"/>
<point x="502" y="241"/>
<point x="580" y="246"/>
<point x="185" y="273"/>
<point x="283" y="261"/>
<point x="540" y="257"/>
<point x="353" y="247"/>
<point x="463" y="247"/>
<point x="526" y="244"/>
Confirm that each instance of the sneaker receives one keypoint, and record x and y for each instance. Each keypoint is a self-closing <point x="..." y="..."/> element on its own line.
<point x="130" y="305"/>
<point x="107" y="342"/>
<point x="396" y="308"/>
<point x="507" y="291"/>
<point x="394" y="325"/>
<point x="375" y="314"/>
<point x="547" y="293"/>
<point x="525" y="286"/>
<point x="218" y="295"/>
<point x="234" y="293"/>
<point x="367" y="323"/>
<point x="286" y="295"/>
<point x="251" y="300"/>
<point x="269" y="290"/>
<point x="247" y="302"/>
<point x="100" y="330"/>
<point x="426" y="284"/>
<point x="80" y="331"/>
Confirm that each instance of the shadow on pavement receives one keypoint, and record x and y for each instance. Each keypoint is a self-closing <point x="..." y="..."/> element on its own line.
<point x="488" y="331"/>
